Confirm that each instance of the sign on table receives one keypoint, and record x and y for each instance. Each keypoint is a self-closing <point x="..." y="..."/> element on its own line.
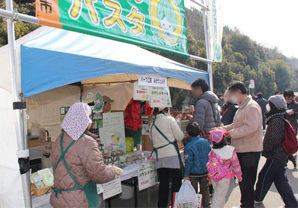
<point x="153" y="24"/>
<point x="145" y="125"/>
<point x="110" y="189"/>
<point x="152" y="80"/>
<point x="160" y="97"/>
<point x="147" y="176"/>
<point x="141" y="92"/>
<point x="112" y="133"/>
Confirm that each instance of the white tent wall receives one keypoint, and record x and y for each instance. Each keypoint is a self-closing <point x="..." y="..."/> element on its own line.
<point x="11" y="192"/>
<point x="44" y="108"/>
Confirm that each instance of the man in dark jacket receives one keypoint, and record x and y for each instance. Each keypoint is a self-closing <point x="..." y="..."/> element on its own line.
<point x="291" y="114"/>
<point x="262" y="103"/>
<point x="228" y="110"/>
<point x="292" y="110"/>
<point x="206" y="107"/>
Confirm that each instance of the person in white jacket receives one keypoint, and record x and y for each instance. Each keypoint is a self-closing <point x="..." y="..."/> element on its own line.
<point x="164" y="134"/>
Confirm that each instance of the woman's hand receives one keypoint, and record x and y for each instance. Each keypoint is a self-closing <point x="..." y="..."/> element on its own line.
<point x="118" y="171"/>
<point x="228" y="134"/>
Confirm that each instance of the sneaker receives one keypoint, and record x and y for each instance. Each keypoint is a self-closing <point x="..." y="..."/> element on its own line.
<point x="258" y="202"/>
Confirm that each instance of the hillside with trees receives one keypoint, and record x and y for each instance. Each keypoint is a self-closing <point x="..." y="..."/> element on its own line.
<point x="243" y="58"/>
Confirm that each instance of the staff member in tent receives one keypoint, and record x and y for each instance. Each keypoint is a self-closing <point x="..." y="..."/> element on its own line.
<point x="106" y="108"/>
<point x="77" y="162"/>
<point x="164" y="133"/>
<point x="133" y="120"/>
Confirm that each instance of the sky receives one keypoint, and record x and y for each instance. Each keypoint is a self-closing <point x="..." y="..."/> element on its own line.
<point x="272" y="23"/>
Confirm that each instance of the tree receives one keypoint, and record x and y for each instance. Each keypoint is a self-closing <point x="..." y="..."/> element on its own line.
<point x="283" y="76"/>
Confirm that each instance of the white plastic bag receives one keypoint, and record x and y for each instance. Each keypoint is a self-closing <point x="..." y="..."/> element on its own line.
<point x="186" y="197"/>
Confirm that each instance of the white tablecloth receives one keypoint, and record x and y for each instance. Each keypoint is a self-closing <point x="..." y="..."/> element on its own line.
<point x="129" y="172"/>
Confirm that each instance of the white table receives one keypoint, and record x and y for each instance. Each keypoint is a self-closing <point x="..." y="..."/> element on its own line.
<point x="43" y="201"/>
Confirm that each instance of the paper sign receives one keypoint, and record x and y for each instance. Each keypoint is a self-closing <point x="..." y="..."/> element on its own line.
<point x="152" y="80"/>
<point x="111" y="188"/>
<point x="160" y="97"/>
<point x="113" y="133"/>
<point x="145" y="125"/>
<point x="147" y="176"/>
<point x="252" y="84"/>
<point x="141" y="92"/>
<point x="99" y="188"/>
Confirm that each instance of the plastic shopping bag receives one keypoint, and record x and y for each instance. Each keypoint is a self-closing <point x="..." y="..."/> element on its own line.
<point x="186" y="197"/>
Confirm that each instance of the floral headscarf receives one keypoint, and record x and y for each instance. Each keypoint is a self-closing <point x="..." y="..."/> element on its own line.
<point x="77" y="120"/>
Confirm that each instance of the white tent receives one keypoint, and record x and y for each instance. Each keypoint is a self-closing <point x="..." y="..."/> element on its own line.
<point x="51" y="59"/>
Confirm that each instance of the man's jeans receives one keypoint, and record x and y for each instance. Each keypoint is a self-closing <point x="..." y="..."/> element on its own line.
<point x="249" y="165"/>
<point x="274" y="171"/>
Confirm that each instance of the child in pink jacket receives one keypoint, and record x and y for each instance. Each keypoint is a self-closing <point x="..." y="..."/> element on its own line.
<point x="222" y="166"/>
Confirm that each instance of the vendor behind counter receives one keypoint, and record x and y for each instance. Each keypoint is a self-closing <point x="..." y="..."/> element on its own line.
<point x="133" y="120"/>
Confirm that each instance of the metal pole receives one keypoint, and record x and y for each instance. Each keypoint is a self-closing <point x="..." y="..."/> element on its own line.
<point x="200" y="59"/>
<point x="20" y="121"/>
<point x="17" y="16"/>
<point x="207" y="43"/>
<point x="200" y="4"/>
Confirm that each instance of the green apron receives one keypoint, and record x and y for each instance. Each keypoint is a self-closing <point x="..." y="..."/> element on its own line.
<point x="90" y="188"/>
<point x="155" y="149"/>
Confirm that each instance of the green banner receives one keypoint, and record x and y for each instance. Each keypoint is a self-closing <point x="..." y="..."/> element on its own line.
<point x="156" y="24"/>
<point x="215" y="29"/>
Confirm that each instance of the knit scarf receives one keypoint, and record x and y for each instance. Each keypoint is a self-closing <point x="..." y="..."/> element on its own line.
<point x="279" y="114"/>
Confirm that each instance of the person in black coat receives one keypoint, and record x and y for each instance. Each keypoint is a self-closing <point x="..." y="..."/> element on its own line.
<point x="276" y="158"/>
<point x="291" y="115"/>
<point x="228" y="111"/>
<point x="262" y="103"/>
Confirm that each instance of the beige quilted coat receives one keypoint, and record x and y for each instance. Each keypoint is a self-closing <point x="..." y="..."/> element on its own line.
<point x="85" y="162"/>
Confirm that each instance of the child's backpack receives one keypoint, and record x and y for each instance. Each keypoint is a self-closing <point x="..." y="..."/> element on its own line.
<point x="216" y="170"/>
<point x="289" y="144"/>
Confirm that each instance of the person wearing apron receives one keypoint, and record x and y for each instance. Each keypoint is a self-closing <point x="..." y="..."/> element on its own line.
<point x="77" y="162"/>
<point x="164" y="134"/>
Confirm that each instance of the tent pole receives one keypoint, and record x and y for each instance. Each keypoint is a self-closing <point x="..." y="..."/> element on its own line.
<point x="207" y="43"/>
<point x="20" y="112"/>
<point x="18" y="16"/>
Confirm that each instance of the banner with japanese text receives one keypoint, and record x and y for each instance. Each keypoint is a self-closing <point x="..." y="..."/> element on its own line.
<point x="155" y="24"/>
<point x="215" y="28"/>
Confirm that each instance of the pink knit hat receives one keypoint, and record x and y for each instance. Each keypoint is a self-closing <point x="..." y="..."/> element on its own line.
<point x="216" y="135"/>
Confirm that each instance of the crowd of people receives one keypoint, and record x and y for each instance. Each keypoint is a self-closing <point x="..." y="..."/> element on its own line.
<point x="227" y="142"/>
<point x="220" y="144"/>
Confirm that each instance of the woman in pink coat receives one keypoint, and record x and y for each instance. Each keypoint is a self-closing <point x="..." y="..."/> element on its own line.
<point x="77" y="162"/>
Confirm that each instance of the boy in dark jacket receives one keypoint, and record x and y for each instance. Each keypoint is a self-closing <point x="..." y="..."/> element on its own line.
<point x="196" y="152"/>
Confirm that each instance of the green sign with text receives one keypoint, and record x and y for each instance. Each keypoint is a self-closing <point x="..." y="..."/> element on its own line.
<point x="156" y="24"/>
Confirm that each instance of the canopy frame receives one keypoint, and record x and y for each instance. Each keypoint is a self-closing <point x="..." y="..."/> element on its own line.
<point x="20" y="115"/>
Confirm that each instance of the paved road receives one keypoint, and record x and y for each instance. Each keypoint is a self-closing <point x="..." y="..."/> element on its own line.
<point x="272" y="199"/>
